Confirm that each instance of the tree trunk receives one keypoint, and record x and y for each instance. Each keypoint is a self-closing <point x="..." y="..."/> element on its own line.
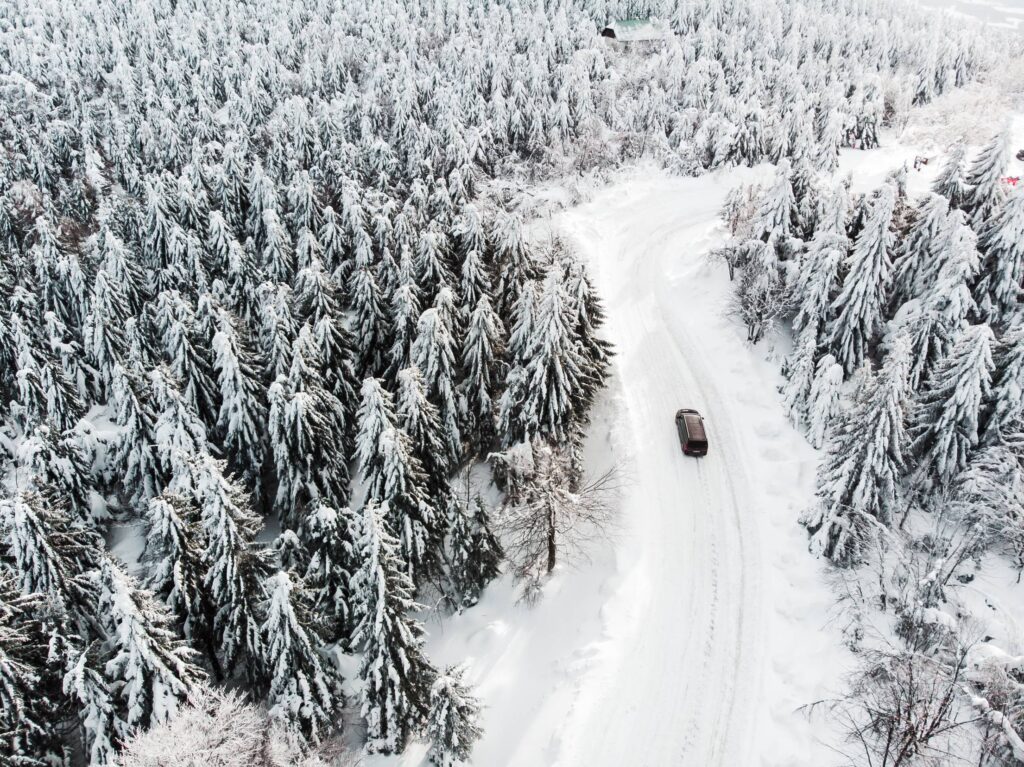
<point x="551" y="537"/>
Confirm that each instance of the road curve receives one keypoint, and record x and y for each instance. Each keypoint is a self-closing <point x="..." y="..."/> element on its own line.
<point x="681" y="668"/>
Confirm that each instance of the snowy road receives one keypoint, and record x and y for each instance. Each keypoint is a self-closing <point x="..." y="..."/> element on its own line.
<point x="695" y="636"/>
<point x="689" y="642"/>
<point x="692" y="640"/>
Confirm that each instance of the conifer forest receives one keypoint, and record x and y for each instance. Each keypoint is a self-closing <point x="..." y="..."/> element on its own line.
<point x="323" y="392"/>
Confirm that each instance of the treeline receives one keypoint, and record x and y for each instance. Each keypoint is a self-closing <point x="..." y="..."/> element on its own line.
<point x="917" y="304"/>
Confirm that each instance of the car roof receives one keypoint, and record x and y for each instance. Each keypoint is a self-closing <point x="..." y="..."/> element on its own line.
<point x="694" y="426"/>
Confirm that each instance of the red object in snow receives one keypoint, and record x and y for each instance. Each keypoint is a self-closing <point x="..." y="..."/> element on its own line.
<point x="1012" y="180"/>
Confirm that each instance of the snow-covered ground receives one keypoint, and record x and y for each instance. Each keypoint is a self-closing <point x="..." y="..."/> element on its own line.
<point x="716" y="607"/>
<point x="998" y="13"/>
<point x="687" y="641"/>
<point x="699" y="634"/>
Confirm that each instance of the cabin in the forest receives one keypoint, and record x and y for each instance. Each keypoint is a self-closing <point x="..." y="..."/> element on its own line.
<point x="635" y="30"/>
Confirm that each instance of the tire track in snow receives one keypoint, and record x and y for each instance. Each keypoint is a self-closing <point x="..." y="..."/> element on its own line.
<point x="682" y="673"/>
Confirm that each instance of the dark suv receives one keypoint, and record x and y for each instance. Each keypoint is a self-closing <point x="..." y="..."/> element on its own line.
<point x="692" y="436"/>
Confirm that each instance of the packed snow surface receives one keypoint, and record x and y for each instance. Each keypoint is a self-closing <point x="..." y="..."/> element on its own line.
<point x="716" y="608"/>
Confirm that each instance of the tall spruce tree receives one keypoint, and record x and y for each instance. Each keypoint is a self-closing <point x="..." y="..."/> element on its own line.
<point x="307" y="424"/>
<point x="951" y="182"/>
<point x="330" y="536"/>
<point x="153" y="670"/>
<point x="475" y="551"/>
<point x="433" y="352"/>
<point x="986" y="189"/>
<point x="860" y="483"/>
<point x="453" y="724"/>
<point x="555" y="368"/>
<point x="303" y="695"/>
<point x="1006" y="402"/>
<point x="396" y="675"/>
<point x="482" y="351"/>
<point x="947" y="414"/>
<point x="393" y="475"/>
<point x="243" y="415"/>
<point x="860" y="305"/>
<point x="1000" y="290"/>
<point x="175" y="560"/>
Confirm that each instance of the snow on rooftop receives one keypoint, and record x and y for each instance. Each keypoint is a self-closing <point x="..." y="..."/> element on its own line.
<point x="635" y="30"/>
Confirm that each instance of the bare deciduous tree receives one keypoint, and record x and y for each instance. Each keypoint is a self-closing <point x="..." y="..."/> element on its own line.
<point x="545" y="521"/>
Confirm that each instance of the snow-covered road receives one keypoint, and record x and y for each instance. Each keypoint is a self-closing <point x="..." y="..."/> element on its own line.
<point x="694" y="637"/>
<point x="694" y="668"/>
<point x="691" y="638"/>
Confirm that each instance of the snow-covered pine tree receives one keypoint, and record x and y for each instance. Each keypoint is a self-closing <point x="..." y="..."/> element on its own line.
<point x="303" y="695"/>
<point x="151" y="670"/>
<point x="1000" y="289"/>
<point x="934" y="320"/>
<point x="237" y="568"/>
<point x="986" y="189"/>
<point x="1006" y="403"/>
<point x="859" y="482"/>
<point x="419" y="419"/>
<point x="392" y="473"/>
<point x="475" y="551"/>
<point x="52" y="554"/>
<point x="453" y="725"/>
<point x="824" y="399"/>
<point x="433" y="352"/>
<point x="807" y="199"/>
<point x="817" y="282"/>
<point x="396" y="675"/>
<point x="432" y="269"/>
<point x="555" y="368"/>
<point x="775" y="211"/>
<point x="44" y="392"/>
<point x="861" y="302"/>
<point x="482" y="350"/>
<point x="103" y="335"/>
<point x="476" y="280"/>
<point x="335" y="353"/>
<point x="800" y="376"/>
<point x="588" y="317"/>
<point x="405" y="316"/>
<point x="177" y="433"/>
<point x="190" y="365"/>
<point x="307" y="425"/>
<point x="99" y="717"/>
<point x="514" y="261"/>
<point x="915" y="254"/>
<point x="761" y="294"/>
<point x="174" y="558"/>
<point x="61" y="462"/>
<point x="329" y="535"/>
<point x="951" y="182"/>
<point x="278" y="255"/>
<point x="370" y="322"/>
<point x="30" y="691"/>
<point x="242" y="421"/>
<point x="946" y="416"/>
<point x="131" y="455"/>
<point x="277" y="328"/>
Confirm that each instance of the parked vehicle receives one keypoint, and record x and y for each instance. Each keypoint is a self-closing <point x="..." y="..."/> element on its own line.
<point x="692" y="437"/>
